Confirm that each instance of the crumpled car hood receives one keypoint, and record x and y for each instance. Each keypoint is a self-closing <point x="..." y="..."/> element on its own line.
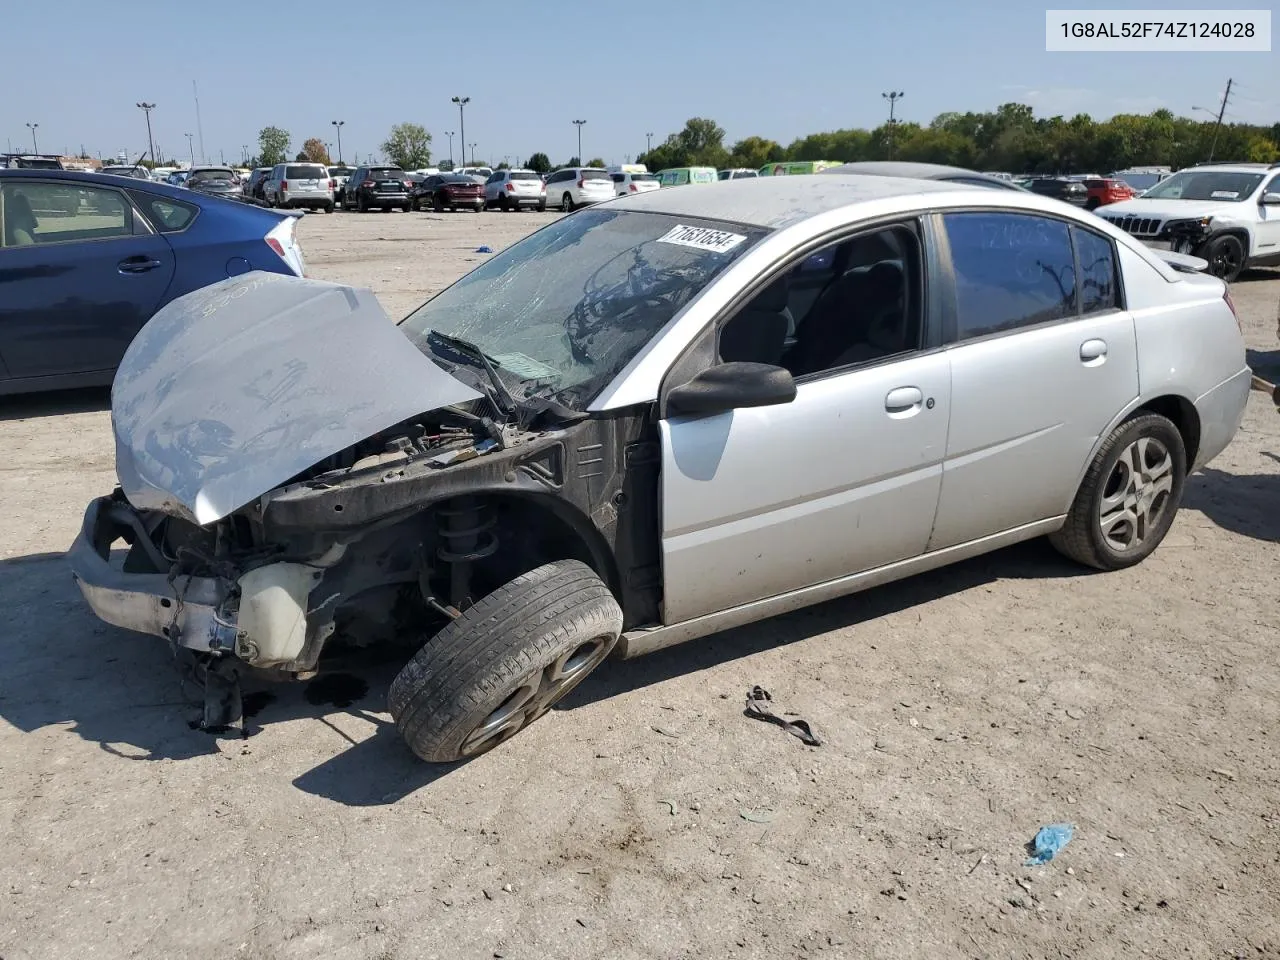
<point x="232" y="390"/>
<point x="1167" y="209"/>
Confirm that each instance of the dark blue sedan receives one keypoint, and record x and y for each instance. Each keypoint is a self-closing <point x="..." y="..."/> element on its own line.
<point x="87" y="259"/>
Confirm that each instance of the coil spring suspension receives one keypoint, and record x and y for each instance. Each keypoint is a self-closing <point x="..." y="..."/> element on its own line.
<point x="466" y="529"/>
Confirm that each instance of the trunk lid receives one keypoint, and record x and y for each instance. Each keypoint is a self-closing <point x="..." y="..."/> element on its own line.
<point x="232" y="390"/>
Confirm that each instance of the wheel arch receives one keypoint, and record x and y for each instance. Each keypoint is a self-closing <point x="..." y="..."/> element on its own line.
<point x="1175" y="407"/>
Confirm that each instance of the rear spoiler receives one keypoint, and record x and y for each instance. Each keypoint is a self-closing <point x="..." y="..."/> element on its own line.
<point x="1182" y="262"/>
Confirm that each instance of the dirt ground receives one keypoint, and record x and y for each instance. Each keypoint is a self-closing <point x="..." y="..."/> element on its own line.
<point x="648" y="818"/>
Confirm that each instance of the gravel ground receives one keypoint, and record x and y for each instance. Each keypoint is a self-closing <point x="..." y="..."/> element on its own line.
<point x="647" y="818"/>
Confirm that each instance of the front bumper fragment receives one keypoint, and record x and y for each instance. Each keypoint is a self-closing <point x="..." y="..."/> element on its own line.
<point x="184" y="610"/>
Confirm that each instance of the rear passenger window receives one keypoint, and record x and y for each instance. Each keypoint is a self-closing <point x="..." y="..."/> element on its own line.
<point x="1011" y="271"/>
<point x="169" y="216"/>
<point x="1097" y="272"/>
<point x="67" y="212"/>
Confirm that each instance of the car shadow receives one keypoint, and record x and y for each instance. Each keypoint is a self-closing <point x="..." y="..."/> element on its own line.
<point x="29" y="406"/>
<point x="1241" y="504"/>
<point x="1035" y="559"/>
<point x="1256" y="275"/>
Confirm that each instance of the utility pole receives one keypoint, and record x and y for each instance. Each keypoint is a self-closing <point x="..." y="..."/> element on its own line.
<point x="244" y="154"/>
<point x="199" y="128"/>
<point x="449" y="134"/>
<point x="462" y="125"/>
<point x="35" y="147"/>
<point x="337" y="125"/>
<point x="473" y="156"/>
<point x="1222" y="110"/>
<point x="578" y="124"/>
<point x="147" y="108"/>
<point x="893" y="99"/>
<point x="191" y="149"/>
<point x="648" y="143"/>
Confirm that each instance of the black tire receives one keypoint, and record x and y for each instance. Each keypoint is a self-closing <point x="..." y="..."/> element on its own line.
<point x="542" y="207"/>
<point x="566" y="203"/>
<point x="503" y="204"/>
<point x="386" y="209"/>
<point x="1081" y="537"/>
<point x="328" y="208"/>
<point x="494" y="662"/>
<point x="1226" y="257"/>
<point x="437" y="204"/>
<point x="407" y="208"/>
<point x="362" y="205"/>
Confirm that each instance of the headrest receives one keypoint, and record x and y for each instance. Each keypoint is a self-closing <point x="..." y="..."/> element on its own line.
<point x="774" y="298"/>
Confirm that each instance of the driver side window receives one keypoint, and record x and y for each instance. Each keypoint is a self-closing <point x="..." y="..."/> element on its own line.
<point x="852" y="302"/>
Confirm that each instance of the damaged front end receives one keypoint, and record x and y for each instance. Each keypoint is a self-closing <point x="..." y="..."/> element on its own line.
<point x="292" y="468"/>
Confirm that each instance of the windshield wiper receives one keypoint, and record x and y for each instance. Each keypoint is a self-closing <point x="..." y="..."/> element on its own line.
<point x="508" y="402"/>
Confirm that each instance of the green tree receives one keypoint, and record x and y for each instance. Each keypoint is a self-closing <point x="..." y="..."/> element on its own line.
<point x="273" y="146"/>
<point x="755" y="152"/>
<point x="314" y="150"/>
<point x="538" y="163"/>
<point x="596" y="162"/>
<point x="408" y="145"/>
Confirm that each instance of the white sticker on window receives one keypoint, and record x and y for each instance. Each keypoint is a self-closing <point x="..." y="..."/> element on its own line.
<point x="702" y="238"/>
<point x="1224" y="195"/>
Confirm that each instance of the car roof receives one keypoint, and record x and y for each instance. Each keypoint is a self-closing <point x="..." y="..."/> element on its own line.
<point x="157" y="187"/>
<point x="919" y="171"/>
<point x="777" y="201"/>
<point x="1230" y="167"/>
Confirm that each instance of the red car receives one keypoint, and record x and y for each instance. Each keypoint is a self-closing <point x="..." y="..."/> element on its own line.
<point x="1103" y="190"/>
<point x="448" y="191"/>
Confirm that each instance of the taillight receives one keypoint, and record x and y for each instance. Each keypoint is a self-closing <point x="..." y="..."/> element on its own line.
<point x="284" y="184"/>
<point x="275" y="245"/>
<point x="633" y="188"/>
<point x="333" y="184"/>
<point x="368" y="183"/>
<point x="1226" y="295"/>
<point x="581" y="181"/>
<point x="408" y="184"/>
<point x="511" y="187"/>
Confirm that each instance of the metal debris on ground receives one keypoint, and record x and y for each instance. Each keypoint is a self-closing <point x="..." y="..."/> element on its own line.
<point x="757" y="708"/>
<point x="1049" y="842"/>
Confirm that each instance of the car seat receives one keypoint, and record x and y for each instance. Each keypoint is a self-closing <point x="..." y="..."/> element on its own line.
<point x="19" y="221"/>
<point x="885" y="329"/>
<point x="759" y="332"/>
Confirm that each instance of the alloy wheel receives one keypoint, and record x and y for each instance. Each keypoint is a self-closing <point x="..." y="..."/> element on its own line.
<point x="1136" y="494"/>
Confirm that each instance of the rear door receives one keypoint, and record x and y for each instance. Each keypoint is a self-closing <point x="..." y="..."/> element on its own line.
<point x="1043" y="357"/>
<point x="75" y="286"/>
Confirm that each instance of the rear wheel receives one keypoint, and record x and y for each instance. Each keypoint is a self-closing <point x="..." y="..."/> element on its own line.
<point x="504" y="662"/>
<point x="1129" y="496"/>
<point x="566" y="203"/>
<point x="542" y="207"/>
<point x="362" y="205"/>
<point x="437" y="204"/>
<point x="503" y="204"/>
<point x="407" y="208"/>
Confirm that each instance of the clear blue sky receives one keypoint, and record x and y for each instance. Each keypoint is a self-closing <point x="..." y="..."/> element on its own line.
<point x="778" y="70"/>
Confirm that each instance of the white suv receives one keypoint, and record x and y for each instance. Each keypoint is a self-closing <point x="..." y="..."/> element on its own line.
<point x="577" y="186"/>
<point x="626" y="182"/>
<point x="513" y="189"/>
<point x="1225" y="213"/>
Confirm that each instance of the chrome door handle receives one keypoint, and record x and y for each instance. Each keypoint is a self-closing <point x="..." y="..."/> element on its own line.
<point x="903" y="401"/>
<point x="1093" y="352"/>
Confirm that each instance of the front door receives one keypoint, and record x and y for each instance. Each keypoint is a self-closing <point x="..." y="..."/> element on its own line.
<point x="78" y="277"/>
<point x="760" y="501"/>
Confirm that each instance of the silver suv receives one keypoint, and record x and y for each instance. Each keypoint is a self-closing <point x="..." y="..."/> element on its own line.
<point x="513" y="189"/>
<point x="300" y="185"/>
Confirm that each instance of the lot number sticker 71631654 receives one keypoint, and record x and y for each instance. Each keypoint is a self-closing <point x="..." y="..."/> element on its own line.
<point x="702" y="238"/>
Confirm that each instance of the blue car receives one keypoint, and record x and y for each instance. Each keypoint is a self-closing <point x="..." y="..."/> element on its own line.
<point x="87" y="259"/>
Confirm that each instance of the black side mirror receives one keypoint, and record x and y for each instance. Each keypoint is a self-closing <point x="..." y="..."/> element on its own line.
<point x="731" y="386"/>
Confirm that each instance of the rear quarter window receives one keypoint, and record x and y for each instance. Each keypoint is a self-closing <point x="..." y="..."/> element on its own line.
<point x="166" y="215"/>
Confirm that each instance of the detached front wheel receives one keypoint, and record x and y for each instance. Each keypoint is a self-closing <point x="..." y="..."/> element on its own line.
<point x="505" y="662"/>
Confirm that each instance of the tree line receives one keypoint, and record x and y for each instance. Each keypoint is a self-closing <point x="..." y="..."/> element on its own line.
<point x="1011" y="138"/>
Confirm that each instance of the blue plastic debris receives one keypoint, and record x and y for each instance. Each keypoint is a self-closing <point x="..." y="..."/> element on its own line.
<point x="483" y="249"/>
<point x="1049" y="843"/>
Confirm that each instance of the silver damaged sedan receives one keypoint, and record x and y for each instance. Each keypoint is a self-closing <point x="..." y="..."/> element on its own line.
<point x="651" y="420"/>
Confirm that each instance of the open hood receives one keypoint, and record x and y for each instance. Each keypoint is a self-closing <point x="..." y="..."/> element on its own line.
<point x="234" y="389"/>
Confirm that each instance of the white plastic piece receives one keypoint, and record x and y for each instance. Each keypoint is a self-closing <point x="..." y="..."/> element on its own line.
<point x="272" y="625"/>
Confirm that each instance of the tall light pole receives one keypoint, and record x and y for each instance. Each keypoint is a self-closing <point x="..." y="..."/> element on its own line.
<point x="244" y="154"/>
<point x="473" y="156"/>
<point x="462" y="126"/>
<point x="35" y="148"/>
<point x="449" y="134"/>
<point x="147" y="108"/>
<point x="893" y="99"/>
<point x="578" y="124"/>
<point x="337" y="125"/>
<point x="191" y="147"/>
<point x="648" y="143"/>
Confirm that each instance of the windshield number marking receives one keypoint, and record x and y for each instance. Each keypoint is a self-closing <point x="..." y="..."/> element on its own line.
<point x="702" y="238"/>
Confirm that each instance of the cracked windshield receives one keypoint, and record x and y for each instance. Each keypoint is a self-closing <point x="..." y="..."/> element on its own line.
<point x="560" y="313"/>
